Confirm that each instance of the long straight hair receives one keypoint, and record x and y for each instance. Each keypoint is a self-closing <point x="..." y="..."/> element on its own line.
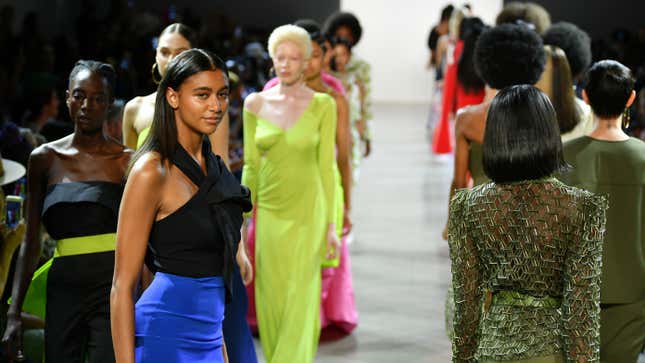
<point x="561" y="95"/>
<point x="163" y="131"/>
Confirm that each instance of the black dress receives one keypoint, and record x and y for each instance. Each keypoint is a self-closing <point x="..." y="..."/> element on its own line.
<point x="77" y="323"/>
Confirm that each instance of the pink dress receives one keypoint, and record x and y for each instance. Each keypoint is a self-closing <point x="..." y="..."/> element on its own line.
<point x="338" y="313"/>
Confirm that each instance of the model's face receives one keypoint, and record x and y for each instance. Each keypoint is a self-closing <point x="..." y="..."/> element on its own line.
<point x="315" y="62"/>
<point x="170" y="45"/>
<point x="88" y="101"/>
<point x="345" y="32"/>
<point x="341" y="56"/>
<point x="289" y="62"/>
<point x="201" y="101"/>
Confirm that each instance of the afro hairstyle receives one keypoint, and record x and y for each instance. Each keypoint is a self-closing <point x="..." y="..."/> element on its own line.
<point x="509" y="54"/>
<point x="527" y="12"/>
<point x="575" y="43"/>
<point x="338" y="19"/>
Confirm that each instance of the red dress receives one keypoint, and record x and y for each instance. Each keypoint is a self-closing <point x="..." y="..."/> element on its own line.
<point x="454" y="98"/>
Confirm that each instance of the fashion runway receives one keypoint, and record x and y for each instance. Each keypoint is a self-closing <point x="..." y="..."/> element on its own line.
<point x="400" y="264"/>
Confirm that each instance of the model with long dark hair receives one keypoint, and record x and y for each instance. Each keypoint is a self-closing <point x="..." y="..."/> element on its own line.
<point x="183" y="206"/>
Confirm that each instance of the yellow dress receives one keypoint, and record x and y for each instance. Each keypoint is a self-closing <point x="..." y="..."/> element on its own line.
<point x="291" y="176"/>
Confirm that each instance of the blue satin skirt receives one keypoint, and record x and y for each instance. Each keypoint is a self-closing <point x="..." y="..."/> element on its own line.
<point x="179" y="319"/>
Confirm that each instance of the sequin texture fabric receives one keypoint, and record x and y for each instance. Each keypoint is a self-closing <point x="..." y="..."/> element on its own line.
<point x="526" y="265"/>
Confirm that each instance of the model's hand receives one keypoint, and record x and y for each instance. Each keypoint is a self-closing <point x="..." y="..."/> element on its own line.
<point x="246" y="269"/>
<point x="333" y="244"/>
<point x="12" y="339"/>
<point x="368" y="148"/>
<point x="347" y="224"/>
<point x="444" y="233"/>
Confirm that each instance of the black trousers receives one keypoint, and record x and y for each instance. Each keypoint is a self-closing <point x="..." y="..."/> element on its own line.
<point x="77" y="323"/>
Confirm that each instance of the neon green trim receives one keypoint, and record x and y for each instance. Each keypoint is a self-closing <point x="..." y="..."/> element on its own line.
<point x="85" y="244"/>
<point x="36" y="297"/>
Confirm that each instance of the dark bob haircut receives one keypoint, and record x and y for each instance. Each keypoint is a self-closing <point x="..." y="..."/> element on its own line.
<point x="338" y="19"/>
<point x="575" y="43"/>
<point x="522" y="139"/>
<point x="608" y="85"/>
<point x="163" y="131"/>
<point x="102" y="69"/>
<point x="509" y="54"/>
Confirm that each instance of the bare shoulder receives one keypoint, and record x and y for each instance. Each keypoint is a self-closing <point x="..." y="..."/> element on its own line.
<point x="253" y="102"/>
<point x="148" y="173"/>
<point x="132" y="107"/>
<point x="470" y="116"/>
<point x="42" y="157"/>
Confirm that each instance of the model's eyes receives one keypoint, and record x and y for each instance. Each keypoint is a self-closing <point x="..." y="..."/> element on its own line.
<point x="202" y="96"/>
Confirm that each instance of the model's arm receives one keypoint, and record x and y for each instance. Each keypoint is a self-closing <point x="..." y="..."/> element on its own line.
<point x="251" y="157"/>
<point x="39" y="162"/>
<point x="343" y="145"/>
<point x="581" y="294"/>
<point x="460" y="170"/>
<point x="130" y="135"/>
<point x="219" y="139"/>
<point x="466" y="281"/>
<point x="139" y="206"/>
<point x="326" y="160"/>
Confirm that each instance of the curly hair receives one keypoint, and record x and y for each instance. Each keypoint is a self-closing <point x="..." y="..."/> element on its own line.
<point x="509" y="54"/>
<point x="338" y="19"/>
<point x="527" y="12"/>
<point x="575" y="43"/>
<point x="291" y="33"/>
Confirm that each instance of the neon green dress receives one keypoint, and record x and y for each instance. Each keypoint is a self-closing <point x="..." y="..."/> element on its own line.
<point x="291" y="176"/>
<point x="143" y="136"/>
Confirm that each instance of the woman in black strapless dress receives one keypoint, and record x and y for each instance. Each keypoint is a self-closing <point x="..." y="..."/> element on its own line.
<point x="74" y="187"/>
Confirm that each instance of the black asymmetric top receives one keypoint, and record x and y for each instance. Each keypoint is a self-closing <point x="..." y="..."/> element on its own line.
<point x="200" y="238"/>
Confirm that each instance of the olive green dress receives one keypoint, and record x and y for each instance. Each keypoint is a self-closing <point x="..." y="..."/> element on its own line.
<point x="617" y="169"/>
<point x="526" y="263"/>
<point x="475" y="164"/>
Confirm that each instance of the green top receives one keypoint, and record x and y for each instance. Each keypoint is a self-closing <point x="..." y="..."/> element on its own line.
<point x="475" y="164"/>
<point x="617" y="169"/>
<point x="526" y="271"/>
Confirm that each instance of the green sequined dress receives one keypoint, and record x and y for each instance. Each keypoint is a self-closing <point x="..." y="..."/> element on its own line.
<point x="526" y="262"/>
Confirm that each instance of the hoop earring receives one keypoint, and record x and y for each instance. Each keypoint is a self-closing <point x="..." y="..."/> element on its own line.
<point x="154" y="71"/>
<point x="626" y="118"/>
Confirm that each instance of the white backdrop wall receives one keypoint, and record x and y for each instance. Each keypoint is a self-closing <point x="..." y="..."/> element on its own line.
<point x="394" y="42"/>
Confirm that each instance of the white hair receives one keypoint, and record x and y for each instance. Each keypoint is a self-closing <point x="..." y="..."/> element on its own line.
<point x="291" y="33"/>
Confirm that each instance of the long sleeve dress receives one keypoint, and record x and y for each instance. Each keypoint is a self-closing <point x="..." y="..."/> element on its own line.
<point x="526" y="263"/>
<point x="291" y="176"/>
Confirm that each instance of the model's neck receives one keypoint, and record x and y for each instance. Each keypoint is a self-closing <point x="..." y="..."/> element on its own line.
<point x="291" y="89"/>
<point x="89" y="141"/>
<point x="489" y="94"/>
<point x="609" y="129"/>
<point x="316" y="83"/>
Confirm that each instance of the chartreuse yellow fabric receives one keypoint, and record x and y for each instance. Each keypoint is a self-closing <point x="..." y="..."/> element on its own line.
<point x="36" y="296"/>
<point x="291" y="176"/>
<point x="143" y="136"/>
